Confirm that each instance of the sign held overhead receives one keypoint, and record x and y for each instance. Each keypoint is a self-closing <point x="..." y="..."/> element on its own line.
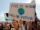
<point x="23" y="11"/>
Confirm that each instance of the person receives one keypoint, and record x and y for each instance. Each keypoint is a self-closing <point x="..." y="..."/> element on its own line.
<point x="6" y="26"/>
<point x="39" y="25"/>
<point x="34" y="25"/>
<point x="21" y="26"/>
<point x="1" y="26"/>
<point x="10" y="26"/>
<point x="17" y="25"/>
<point x="25" y="25"/>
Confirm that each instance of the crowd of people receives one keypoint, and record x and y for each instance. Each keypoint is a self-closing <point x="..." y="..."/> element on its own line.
<point x="15" y="25"/>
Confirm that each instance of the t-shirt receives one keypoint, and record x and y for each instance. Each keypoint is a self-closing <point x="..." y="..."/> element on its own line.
<point x="21" y="27"/>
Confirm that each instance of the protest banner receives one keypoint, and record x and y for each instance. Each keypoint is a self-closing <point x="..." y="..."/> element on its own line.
<point x="23" y="11"/>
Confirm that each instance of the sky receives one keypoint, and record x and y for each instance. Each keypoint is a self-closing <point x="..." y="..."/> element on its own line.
<point x="5" y="4"/>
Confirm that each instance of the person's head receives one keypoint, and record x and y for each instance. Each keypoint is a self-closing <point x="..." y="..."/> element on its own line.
<point x="6" y="22"/>
<point x="0" y="24"/>
<point x="15" y="23"/>
<point x="24" y="22"/>
<point x="21" y="22"/>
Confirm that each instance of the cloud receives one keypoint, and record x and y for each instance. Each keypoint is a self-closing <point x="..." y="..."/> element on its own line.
<point x="38" y="15"/>
<point x="28" y="1"/>
<point x="2" y="14"/>
<point x="37" y="11"/>
<point x="2" y="18"/>
<point x="37" y="1"/>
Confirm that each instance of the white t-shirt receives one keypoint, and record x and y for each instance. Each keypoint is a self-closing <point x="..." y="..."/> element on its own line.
<point x="12" y="27"/>
<point x="27" y="27"/>
<point x="23" y="27"/>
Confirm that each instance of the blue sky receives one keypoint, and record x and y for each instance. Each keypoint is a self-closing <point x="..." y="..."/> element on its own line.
<point x="4" y="7"/>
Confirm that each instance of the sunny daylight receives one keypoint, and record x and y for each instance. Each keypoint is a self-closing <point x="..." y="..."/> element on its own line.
<point x="19" y="14"/>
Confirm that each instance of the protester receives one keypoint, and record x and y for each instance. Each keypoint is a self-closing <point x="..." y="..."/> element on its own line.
<point x="17" y="25"/>
<point x="21" y="26"/>
<point x="25" y="25"/>
<point x="34" y="25"/>
<point x="1" y="26"/>
<point x="6" y="26"/>
<point x="39" y="25"/>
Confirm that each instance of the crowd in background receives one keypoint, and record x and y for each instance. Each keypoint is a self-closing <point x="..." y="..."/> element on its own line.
<point x="16" y="25"/>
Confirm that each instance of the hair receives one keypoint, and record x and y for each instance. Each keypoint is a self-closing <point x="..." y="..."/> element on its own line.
<point x="17" y="22"/>
<point x="24" y="22"/>
<point x="6" y="22"/>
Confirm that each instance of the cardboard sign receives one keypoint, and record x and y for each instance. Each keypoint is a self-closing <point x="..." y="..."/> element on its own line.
<point x="23" y="11"/>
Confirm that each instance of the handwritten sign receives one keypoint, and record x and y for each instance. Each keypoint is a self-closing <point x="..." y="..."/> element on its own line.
<point x="23" y="11"/>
